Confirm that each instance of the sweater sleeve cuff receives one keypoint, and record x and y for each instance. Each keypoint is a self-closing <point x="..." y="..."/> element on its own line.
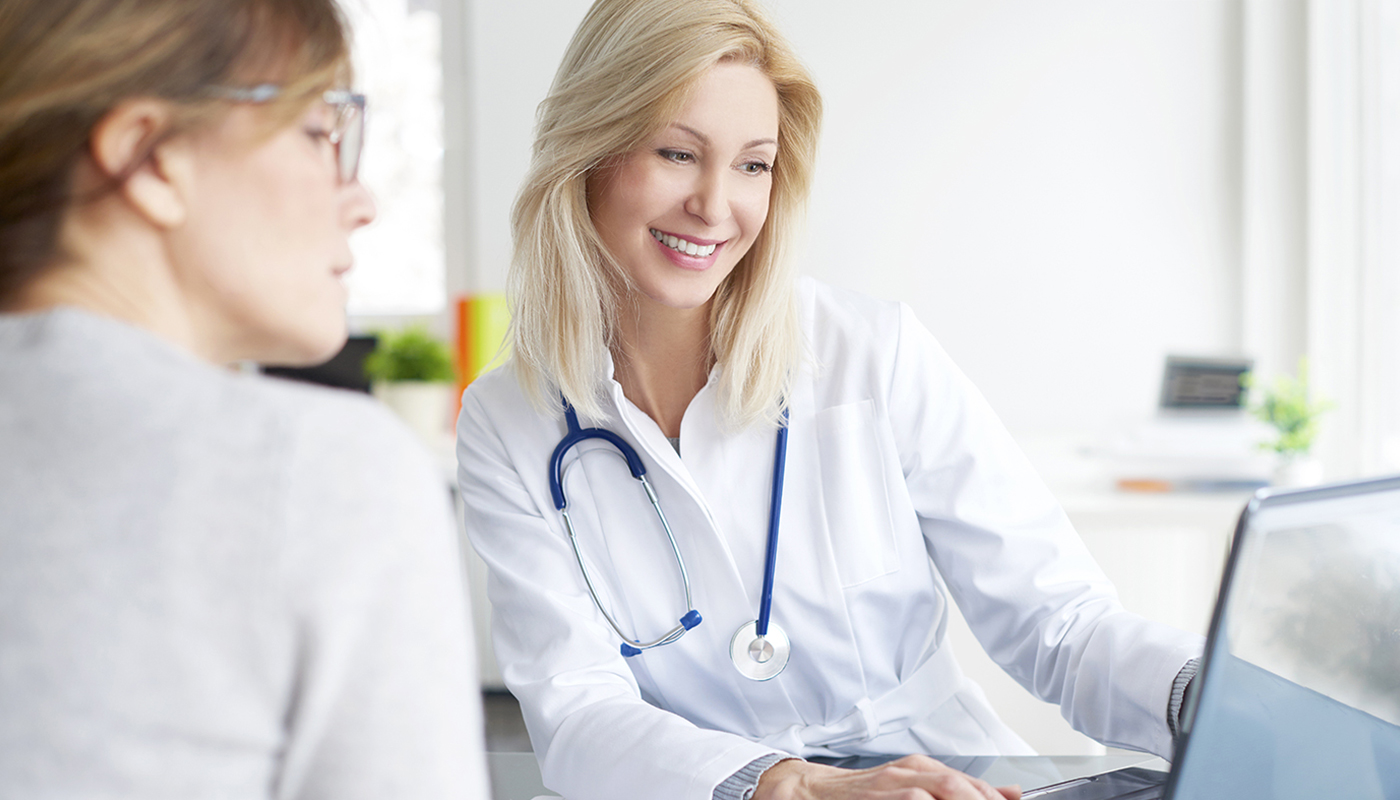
<point x="741" y="785"/>
<point x="1174" y="706"/>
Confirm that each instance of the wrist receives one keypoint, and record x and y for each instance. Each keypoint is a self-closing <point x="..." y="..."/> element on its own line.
<point x="779" y="782"/>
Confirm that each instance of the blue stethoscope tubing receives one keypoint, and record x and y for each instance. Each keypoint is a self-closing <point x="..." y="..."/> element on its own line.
<point x="759" y="649"/>
<point x="576" y="434"/>
<point x="775" y="510"/>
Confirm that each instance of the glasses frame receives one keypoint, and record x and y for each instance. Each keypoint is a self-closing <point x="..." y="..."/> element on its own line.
<point x="348" y="134"/>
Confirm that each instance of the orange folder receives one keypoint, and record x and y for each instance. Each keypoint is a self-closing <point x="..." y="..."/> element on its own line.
<point x="483" y="321"/>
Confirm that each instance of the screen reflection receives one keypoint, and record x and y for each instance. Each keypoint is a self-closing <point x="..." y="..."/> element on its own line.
<point x="1303" y="691"/>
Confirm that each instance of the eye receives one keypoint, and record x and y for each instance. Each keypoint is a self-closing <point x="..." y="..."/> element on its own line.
<point x="316" y="133"/>
<point x="675" y="156"/>
<point x="756" y="167"/>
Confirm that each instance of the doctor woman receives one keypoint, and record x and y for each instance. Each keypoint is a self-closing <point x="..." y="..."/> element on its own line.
<point x="785" y="428"/>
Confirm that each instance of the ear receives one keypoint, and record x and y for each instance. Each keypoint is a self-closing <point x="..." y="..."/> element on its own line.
<point x="131" y="140"/>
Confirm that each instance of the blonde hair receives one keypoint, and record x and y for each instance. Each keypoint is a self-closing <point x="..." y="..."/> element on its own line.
<point x="64" y="64"/>
<point x="629" y="71"/>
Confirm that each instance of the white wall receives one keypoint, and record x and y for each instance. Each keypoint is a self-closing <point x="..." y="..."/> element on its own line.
<point x="1053" y="186"/>
<point x="513" y="50"/>
<point x="1050" y="185"/>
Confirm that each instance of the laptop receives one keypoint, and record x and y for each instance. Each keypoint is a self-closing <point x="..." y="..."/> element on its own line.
<point x="1299" y="692"/>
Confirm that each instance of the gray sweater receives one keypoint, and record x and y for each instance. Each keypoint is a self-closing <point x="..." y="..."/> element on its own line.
<point x="215" y="585"/>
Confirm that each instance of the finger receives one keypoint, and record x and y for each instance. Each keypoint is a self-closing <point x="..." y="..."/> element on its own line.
<point x="998" y="792"/>
<point x="925" y="764"/>
<point x="953" y="785"/>
<point x="988" y="793"/>
<point x="930" y="777"/>
<point x="918" y="763"/>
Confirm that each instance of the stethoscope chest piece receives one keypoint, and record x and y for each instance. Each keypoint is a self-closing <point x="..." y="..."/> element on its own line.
<point x="759" y="657"/>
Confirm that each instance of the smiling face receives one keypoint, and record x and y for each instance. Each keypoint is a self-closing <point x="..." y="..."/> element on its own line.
<point x="679" y="212"/>
<point x="261" y="254"/>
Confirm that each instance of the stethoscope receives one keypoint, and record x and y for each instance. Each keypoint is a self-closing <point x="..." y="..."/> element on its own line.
<point x="759" y="649"/>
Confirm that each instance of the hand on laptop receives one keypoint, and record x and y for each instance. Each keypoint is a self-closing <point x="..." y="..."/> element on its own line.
<point x="800" y="780"/>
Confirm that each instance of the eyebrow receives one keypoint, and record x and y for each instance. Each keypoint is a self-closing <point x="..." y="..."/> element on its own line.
<point x="705" y="140"/>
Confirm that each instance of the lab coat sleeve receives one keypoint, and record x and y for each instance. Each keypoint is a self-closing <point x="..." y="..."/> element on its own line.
<point x="594" y="735"/>
<point x="1032" y="594"/>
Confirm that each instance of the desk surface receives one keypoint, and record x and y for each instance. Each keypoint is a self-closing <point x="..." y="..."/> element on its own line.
<point x="516" y="776"/>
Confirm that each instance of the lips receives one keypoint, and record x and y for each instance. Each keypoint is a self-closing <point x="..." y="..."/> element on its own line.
<point x="697" y="248"/>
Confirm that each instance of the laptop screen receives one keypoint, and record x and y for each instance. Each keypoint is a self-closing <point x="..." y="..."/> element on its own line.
<point x="1301" y="690"/>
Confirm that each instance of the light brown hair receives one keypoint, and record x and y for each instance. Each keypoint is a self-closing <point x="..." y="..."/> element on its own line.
<point x="64" y="64"/>
<point x="630" y="69"/>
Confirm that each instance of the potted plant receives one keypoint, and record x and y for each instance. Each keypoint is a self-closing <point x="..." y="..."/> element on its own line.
<point x="411" y="372"/>
<point x="1288" y="407"/>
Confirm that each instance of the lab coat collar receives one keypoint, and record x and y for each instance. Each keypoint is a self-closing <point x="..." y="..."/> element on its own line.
<point x="652" y="439"/>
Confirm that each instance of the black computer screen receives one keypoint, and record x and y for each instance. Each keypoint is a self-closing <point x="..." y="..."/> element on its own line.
<point x="344" y="370"/>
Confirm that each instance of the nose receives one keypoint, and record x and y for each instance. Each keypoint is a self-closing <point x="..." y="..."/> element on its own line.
<point x="357" y="206"/>
<point x="709" y="199"/>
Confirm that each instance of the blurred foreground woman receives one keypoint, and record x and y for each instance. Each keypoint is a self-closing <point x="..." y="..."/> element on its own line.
<point x="211" y="584"/>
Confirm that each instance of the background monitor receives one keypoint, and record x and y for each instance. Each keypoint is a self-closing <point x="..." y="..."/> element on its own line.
<point x="1204" y="383"/>
<point x="344" y="370"/>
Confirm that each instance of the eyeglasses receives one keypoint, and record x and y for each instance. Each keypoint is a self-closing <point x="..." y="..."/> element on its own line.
<point x="347" y="134"/>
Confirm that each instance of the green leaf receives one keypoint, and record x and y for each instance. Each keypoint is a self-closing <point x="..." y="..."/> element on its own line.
<point x="1288" y="407"/>
<point x="412" y="354"/>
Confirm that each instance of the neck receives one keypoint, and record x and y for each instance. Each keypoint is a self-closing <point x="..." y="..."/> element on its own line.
<point x="118" y="271"/>
<point x="664" y="360"/>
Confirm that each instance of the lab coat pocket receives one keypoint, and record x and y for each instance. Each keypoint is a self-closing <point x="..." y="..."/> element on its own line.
<point x="853" y="489"/>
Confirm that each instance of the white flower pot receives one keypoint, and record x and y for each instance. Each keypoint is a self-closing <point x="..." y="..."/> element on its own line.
<point x="1297" y="471"/>
<point x="423" y="406"/>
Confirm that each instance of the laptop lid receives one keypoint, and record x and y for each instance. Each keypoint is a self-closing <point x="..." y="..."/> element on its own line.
<point x="1299" y="693"/>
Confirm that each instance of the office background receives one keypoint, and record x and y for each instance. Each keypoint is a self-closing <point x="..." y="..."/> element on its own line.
<point x="1065" y="192"/>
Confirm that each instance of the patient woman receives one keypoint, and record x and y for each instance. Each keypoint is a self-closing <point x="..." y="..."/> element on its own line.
<point x="211" y="584"/>
<point x="653" y="297"/>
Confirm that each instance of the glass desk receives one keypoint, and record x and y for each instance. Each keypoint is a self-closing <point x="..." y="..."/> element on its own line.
<point x="516" y="776"/>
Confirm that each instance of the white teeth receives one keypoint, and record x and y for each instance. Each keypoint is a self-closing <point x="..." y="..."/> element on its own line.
<point x="682" y="246"/>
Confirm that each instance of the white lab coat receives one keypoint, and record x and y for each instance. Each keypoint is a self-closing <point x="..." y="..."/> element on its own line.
<point x="893" y="457"/>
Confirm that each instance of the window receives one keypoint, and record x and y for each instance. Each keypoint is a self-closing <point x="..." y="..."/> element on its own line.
<point x="399" y="257"/>
<point x="1386" y="358"/>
